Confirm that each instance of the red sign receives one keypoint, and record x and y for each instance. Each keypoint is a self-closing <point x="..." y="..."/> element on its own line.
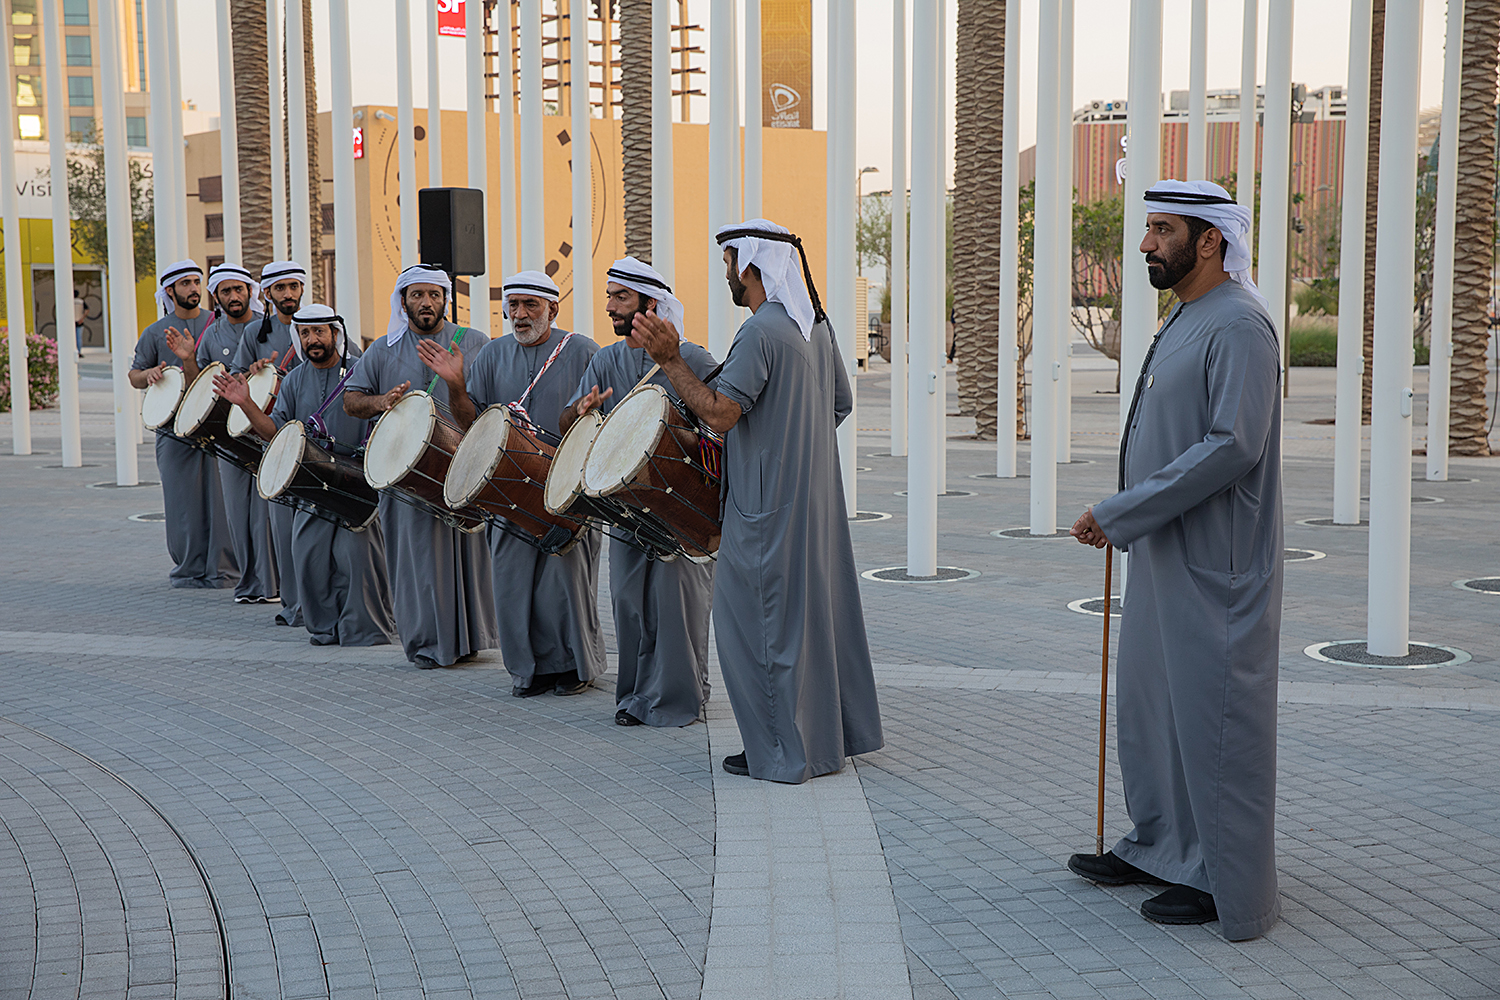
<point x="359" y="143"/>
<point x="450" y="14"/>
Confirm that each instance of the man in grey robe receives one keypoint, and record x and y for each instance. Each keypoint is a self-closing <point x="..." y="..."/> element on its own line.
<point x="198" y="538"/>
<point x="237" y="298"/>
<point x="345" y="593"/>
<point x="271" y="342"/>
<point x="445" y="606"/>
<point x="787" y="612"/>
<point x="661" y="608"/>
<point x="1199" y="510"/>
<point x="547" y="605"/>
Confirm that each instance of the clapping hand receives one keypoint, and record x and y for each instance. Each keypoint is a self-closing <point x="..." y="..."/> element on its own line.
<point x="449" y="365"/>
<point x="657" y="336"/>
<point x="593" y="400"/>
<point x="232" y="388"/>
<point x="180" y="343"/>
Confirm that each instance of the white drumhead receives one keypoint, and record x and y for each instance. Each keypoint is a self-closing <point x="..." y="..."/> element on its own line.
<point x="565" y="477"/>
<point x="262" y="386"/>
<point x="282" y="459"/>
<point x="159" y="404"/>
<point x="199" y="400"/>
<point x="399" y="438"/>
<point x="478" y="454"/>
<point x="625" y="441"/>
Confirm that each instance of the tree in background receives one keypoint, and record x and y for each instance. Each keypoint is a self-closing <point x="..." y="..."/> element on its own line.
<point x="635" y="124"/>
<point x="317" y="293"/>
<point x="252" y="84"/>
<point x="1098" y="242"/>
<point x="86" y="196"/>
<point x="1372" y="196"/>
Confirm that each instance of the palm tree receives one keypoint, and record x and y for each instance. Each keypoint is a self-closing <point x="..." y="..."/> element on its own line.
<point x="314" y="171"/>
<point x="1372" y="194"/>
<point x="1475" y="232"/>
<point x="635" y="124"/>
<point x="980" y="99"/>
<point x="247" y="22"/>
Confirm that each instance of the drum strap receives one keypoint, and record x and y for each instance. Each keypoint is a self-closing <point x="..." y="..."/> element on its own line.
<point x="457" y="336"/>
<point x="316" y="420"/>
<point x="519" y="406"/>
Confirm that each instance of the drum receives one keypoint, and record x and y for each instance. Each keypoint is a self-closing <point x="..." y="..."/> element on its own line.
<point x="647" y="457"/>
<point x="299" y="471"/>
<point x="161" y="398"/>
<point x="409" y="452"/>
<point x="203" y="420"/>
<point x="501" y="468"/>
<point x="263" y="386"/>
<point x="564" y="493"/>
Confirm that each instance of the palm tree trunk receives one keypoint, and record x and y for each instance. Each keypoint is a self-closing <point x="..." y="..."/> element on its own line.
<point x="1372" y="196"/>
<point x="1475" y="232"/>
<point x="247" y="19"/>
<point x="314" y="170"/>
<point x="980" y="98"/>
<point x="635" y="124"/>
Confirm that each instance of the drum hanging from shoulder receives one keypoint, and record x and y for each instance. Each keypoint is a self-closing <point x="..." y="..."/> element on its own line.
<point x="501" y="468"/>
<point x="203" y="420"/>
<point x="299" y="470"/>
<point x="647" y="457"/>
<point x="263" y="387"/>
<point x="409" y="452"/>
<point x="161" y="398"/>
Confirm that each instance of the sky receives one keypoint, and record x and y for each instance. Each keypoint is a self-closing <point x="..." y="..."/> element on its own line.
<point x="1101" y="57"/>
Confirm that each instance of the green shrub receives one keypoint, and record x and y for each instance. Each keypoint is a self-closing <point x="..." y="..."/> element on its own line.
<point x="1314" y="342"/>
<point x="1320" y="297"/>
<point x="41" y="371"/>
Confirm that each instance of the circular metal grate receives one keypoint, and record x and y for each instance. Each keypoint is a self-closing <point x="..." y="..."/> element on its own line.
<point x="117" y="486"/>
<point x="1356" y="653"/>
<point x="1302" y="555"/>
<point x="1025" y="534"/>
<point x="155" y="515"/>
<point x="1328" y="522"/>
<point x="991" y="475"/>
<point x="1480" y="585"/>
<point x="898" y="574"/>
<point x="1095" y="605"/>
<point x="85" y="465"/>
<point x="861" y="516"/>
<point x="945" y="493"/>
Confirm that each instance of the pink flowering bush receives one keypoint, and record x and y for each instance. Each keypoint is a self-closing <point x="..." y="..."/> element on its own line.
<point x="41" y="367"/>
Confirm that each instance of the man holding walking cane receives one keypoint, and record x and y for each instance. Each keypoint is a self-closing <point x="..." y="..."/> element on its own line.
<point x="1199" y="511"/>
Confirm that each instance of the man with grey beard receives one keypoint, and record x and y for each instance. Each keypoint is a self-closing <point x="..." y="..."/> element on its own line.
<point x="547" y="605"/>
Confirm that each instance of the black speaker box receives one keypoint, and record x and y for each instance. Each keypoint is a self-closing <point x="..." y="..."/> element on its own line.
<point x="450" y="227"/>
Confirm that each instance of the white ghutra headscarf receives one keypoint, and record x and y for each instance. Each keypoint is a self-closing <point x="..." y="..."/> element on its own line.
<point x="414" y="275"/>
<point x="1208" y="201"/>
<point x="782" y="267"/>
<point x="233" y="272"/>
<point x="638" y="276"/>
<point x="527" y="283"/>
<point x="169" y="276"/>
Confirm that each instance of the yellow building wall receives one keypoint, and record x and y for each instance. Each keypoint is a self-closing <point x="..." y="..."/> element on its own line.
<point x="36" y="248"/>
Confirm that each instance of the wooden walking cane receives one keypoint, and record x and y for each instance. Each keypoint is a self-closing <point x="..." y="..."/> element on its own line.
<point x="1109" y="566"/>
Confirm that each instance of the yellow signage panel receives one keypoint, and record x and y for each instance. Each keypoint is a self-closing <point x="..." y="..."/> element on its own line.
<point x="786" y="74"/>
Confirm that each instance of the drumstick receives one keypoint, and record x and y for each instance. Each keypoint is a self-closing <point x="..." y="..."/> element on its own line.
<point x="647" y="377"/>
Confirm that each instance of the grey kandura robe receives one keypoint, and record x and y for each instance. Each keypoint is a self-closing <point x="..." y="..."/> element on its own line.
<point x="198" y="538"/>
<point x="787" y="613"/>
<point x="344" y="591"/>
<point x="661" y="608"/>
<point x="248" y="513"/>
<point x="445" y="607"/>
<point x="547" y="605"/>
<point x="252" y="349"/>
<point x="1200" y="512"/>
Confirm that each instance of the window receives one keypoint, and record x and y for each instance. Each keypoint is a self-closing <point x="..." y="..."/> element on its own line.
<point x="327" y="218"/>
<point x="23" y="12"/>
<point x="28" y="91"/>
<point x="211" y="189"/>
<point x="81" y="91"/>
<point x="80" y="50"/>
<point x="80" y="129"/>
<point x="213" y="226"/>
<point x="135" y="130"/>
<point x="30" y="126"/>
<point x="76" y="12"/>
<point x="26" y="50"/>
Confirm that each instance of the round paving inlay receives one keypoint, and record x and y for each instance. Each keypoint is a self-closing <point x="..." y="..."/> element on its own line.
<point x="898" y="574"/>
<point x="1328" y="522"/>
<point x="119" y="486"/>
<point x="1480" y="585"/>
<point x="945" y="493"/>
<point x="1356" y="653"/>
<point x="992" y="475"/>
<point x="1302" y="555"/>
<point x="1025" y="534"/>
<point x="864" y="516"/>
<point x="1095" y="605"/>
<point x="155" y="515"/>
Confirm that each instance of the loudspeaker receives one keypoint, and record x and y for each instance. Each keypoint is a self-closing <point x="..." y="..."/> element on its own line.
<point x="450" y="227"/>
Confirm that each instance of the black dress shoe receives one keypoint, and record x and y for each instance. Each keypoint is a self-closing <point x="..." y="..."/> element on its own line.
<point x="425" y="662"/>
<point x="538" y="685"/>
<point x="737" y="764"/>
<point x="571" y="686"/>
<point x="1110" y="869"/>
<point x="467" y="657"/>
<point x="1181" y="904"/>
<point x="624" y="718"/>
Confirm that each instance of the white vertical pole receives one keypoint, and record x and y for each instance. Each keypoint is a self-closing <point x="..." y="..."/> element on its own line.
<point x="533" y="195"/>
<point x="406" y="140"/>
<point x="897" y="277"/>
<point x="1351" y="359"/>
<point x="583" y="172"/>
<point x="15" y="308"/>
<point x="1440" y="356"/>
<point x="1275" y="177"/>
<point x="296" y="124"/>
<point x="229" y="158"/>
<point x="1391" y="395"/>
<point x="474" y="115"/>
<point x="62" y="238"/>
<point x="1197" y="137"/>
<point x="1064" y="357"/>
<point x="842" y="194"/>
<point x="509" y="260"/>
<point x="939" y="440"/>
<point x="345" y="215"/>
<point x="282" y="248"/>
<point x="927" y="224"/>
<point x="663" y="225"/>
<point x="1249" y="49"/>
<point x="1142" y="169"/>
<point x="165" y="195"/>
<point x="434" y="102"/>
<point x="754" y="111"/>
<point x="122" y="317"/>
<point x="723" y="149"/>
<point x="1045" y="298"/>
<point x="1010" y="250"/>
<point x="179" y="157"/>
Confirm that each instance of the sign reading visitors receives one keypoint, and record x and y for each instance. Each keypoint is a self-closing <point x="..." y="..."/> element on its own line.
<point x="451" y="18"/>
<point x="786" y="63"/>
